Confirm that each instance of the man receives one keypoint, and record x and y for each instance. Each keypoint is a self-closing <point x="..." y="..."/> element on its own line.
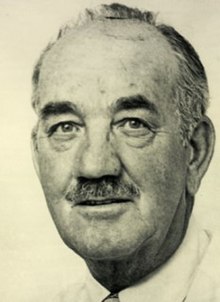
<point x="120" y="148"/>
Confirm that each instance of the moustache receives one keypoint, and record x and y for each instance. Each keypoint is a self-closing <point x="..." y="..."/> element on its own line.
<point x="105" y="187"/>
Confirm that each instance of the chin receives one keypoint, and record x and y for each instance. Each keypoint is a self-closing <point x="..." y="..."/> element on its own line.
<point x="109" y="254"/>
<point x="109" y="249"/>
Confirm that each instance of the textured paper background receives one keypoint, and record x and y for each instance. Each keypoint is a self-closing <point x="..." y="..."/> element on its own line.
<point x="33" y="258"/>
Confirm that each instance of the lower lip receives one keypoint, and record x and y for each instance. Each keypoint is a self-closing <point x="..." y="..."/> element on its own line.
<point x="104" y="211"/>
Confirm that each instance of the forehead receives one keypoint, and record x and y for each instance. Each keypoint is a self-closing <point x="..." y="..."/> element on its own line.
<point x="114" y="58"/>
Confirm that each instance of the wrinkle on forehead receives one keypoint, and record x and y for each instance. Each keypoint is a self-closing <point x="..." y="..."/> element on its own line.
<point x="104" y="52"/>
<point x="99" y="33"/>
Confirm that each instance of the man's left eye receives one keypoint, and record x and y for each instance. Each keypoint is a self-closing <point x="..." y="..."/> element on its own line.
<point x="134" y="124"/>
<point x="67" y="127"/>
<point x="134" y="127"/>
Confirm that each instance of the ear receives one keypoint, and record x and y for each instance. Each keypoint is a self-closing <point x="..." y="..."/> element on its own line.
<point x="34" y="149"/>
<point x="201" y="150"/>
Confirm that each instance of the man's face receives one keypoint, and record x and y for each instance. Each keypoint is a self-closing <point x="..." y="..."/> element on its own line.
<point x="109" y="153"/>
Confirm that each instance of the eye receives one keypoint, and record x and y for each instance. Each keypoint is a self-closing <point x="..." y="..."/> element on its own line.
<point x="134" y="127"/>
<point x="64" y="128"/>
<point x="134" y="124"/>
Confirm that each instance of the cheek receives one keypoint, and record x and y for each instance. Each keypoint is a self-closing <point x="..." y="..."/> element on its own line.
<point x="159" y="170"/>
<point x="163" y="161"/>
<point x="55" y="170"/>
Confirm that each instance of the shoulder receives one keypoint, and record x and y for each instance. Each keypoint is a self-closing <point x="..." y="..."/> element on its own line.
<point x="71" y="293"/>
<point x="74" y="292"/>
<point x="205" y="287"/>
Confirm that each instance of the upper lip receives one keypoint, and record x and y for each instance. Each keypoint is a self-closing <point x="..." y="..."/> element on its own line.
<point x="99" y="201"/>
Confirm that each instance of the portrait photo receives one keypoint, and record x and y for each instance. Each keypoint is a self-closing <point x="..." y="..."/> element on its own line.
<point x="110" y="152"/>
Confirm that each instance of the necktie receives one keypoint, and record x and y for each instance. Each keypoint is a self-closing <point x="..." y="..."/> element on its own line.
<point x="111" y="298"/>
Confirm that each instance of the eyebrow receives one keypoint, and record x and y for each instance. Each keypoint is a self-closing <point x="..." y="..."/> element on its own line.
<point x="134" y="102"/>
<point x="123" y="103"/>
<point x="57" y="108"/>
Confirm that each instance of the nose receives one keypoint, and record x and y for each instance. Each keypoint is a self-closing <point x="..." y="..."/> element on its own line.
<point x="98" y="156"/>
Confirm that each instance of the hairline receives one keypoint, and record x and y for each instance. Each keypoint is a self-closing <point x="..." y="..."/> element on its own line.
<point x="177" y="83"/>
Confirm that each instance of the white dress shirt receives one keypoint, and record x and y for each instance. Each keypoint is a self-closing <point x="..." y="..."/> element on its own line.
<point x="180" y="279"/>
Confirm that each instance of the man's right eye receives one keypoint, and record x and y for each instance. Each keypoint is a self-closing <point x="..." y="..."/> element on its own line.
<point x="63" y="129"/>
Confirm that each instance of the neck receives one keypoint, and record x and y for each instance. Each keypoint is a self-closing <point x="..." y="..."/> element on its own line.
<point x="116" y="275"/>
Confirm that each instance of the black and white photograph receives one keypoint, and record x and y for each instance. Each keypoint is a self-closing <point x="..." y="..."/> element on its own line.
<point x="110" y="153"/>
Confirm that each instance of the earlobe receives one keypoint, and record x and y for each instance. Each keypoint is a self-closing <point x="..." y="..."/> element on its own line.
<point x="34" y="149"/>
<point x="201" y="150"/>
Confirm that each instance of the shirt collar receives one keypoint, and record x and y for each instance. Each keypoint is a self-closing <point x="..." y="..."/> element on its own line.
<point x="170" y="282"/>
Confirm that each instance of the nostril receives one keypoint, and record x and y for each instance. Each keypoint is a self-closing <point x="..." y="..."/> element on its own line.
<point x="102" y="179"/>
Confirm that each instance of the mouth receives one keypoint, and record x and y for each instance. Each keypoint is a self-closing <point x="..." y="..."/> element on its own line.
<point x="101" y="202"/>
<point x="102" y="208"/>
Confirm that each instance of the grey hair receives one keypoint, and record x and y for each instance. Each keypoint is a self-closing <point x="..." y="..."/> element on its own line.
<point x="190" y="91"/>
